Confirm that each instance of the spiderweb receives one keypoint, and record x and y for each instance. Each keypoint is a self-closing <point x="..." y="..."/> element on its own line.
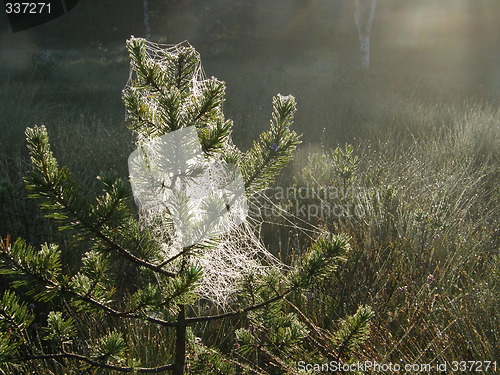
<point x="190" y="200"/>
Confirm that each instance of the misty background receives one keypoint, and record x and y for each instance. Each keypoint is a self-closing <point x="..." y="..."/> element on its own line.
<point x="427" y="50"/>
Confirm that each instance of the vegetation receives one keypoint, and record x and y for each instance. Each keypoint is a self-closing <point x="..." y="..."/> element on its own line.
<point x="423" y="217"/>
<point x="96" y="315"/>
<point x="419" y="176"/>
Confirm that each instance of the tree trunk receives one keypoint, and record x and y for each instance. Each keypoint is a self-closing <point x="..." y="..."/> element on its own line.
<point x="180" y="343"/>
<point x="146" y="20"/>
<point x="363" y="16"/>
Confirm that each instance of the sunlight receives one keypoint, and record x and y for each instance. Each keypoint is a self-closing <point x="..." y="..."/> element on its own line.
<point x="426" y="23"/>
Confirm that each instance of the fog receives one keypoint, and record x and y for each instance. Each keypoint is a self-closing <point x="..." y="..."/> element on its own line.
<point x="440" y="49"/>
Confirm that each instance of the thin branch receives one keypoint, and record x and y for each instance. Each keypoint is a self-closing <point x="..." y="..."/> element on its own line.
<point x="88" y="299"/>
<point x="185" y="250"/>
<point x="94" y="363"/>
<point x="242" y="365"/>
<point x="149" y="122"/>
<point x="279" y="362"/>
<point x="324" y="350"/>
<point x="248" y="367"/>
<point x="59" y="198"/>
<point x="258" y="171"/>
<point x="112" y="244"/>
<point x="239" y="311"/>
<point x="128" y="255"/>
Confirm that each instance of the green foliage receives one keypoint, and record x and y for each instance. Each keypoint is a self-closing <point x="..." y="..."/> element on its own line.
<point x="208" y="360"/>
<point x="330" y="167"/>
<point x="271" y="327"/>
<point x="423" y="233"/>
<point x="320" y="260"/>
<point x="14" y="314"/>
<point x="345" y="163"/>
<point x="274" y="148"/>
<point x="37" y="272"/>
<point x="354" y="331"/>
<point x="103" y="219"/>
<point x="429" y="169"/>
<point x="89" y="297"/>
<point x="59" y="329"/>
<point x="167" y="94"/>
<point x="8" y="348"/>
<point x="15" y="318"/>
<point x="110" y="345"/>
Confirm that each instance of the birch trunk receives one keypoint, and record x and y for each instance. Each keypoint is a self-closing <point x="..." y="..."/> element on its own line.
<point x="363" y="16"/>
<point x="146" y="20"/>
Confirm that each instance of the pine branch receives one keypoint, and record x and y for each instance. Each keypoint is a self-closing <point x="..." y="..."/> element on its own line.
<point x="209" y="106"/>
<point x="180" y="288"/>
<point x="251" y="365"/>
<point x="8" y="347"/>
<point x="170" y="111"/>
<point x="14" y="313"/>
<point x="92" y="362"/>
<point x="279" y="362"/>
<point x="320" y="260"/>
<point x="147" y="72"/>
<point x="354" y="330"/>
<point x="326" y="352"/>
<point x="274" y="148"/>
<point x="140" y="115"/>
<point x="23" y="260"/>
<point x="214" y="139"/>
<point x="21" y="267"/>
<point x="239" y="311"/>
<point x="129" y="256"/>
<point x="209" y="359"/>
<point x="185" y="251"/>
<point x="167" y="91"/>
<point x="182" y="70"/>
<point x="110" y="208"/>
<point x="63" y="199"/>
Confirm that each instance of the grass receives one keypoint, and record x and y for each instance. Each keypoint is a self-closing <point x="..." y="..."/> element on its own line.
<point x="425" y="237"/>
<point x="425" y="234"/>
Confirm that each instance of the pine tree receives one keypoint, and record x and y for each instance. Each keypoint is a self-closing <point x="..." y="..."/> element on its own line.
<point x="93" y="316"/>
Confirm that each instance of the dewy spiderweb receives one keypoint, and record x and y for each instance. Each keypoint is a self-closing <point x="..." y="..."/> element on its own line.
<point x="187" y="198"/>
